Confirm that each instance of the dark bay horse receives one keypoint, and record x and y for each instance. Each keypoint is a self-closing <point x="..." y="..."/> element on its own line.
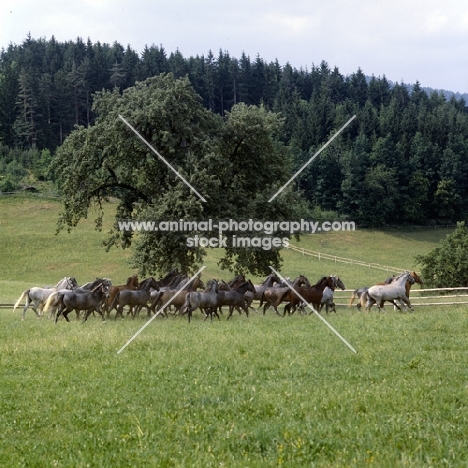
<point x="235" y="298"/>
<point x="273" y="297"/>
<point x="312" y="295"/>
<point x="327" y="295"/>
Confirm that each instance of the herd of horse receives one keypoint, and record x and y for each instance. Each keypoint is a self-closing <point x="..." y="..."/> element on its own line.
<point x="176" y="293"/>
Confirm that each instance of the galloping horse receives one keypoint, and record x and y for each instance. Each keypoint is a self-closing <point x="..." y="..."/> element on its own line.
<point x="312" y="294"/>
<point x="417" y="279"/>
<point x="89" y="301"/>
<point x="363" y="297"/>
<point x="396" y="290"/>
<point x="236" y="298"/>
<point x="275" y="296"/>
<point x="358" y="293"/>
<point x="327" y="295"/>
<point x="176" y="297"/>
<point x="132" y="283"/>
<point x="134" y="298"/>
<point x="55" y="299"/>
<point x="204" y="300"/>
<point x="157" y="287"/>
<point x="38" y="296"/>
<point x="268" y="282"/>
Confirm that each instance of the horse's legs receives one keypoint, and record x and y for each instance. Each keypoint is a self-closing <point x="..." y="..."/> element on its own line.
<point x="214" y="311"/>
<point x="57" y="315"/>
<point x="60" y="310"/>
<point x="65" y="314"/>
<point x="87" y="314"/>
<point x="119" y="311"/>
<point x="370" y="302"/>
<point x="27" y="303"/>
<point x="99" y="311"/>
<point x="406" y="300"/>
<point x="246" y="308"/>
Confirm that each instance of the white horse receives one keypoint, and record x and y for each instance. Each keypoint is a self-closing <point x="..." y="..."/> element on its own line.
<point x="390" y="292"/>
<point x="38" y="296"/>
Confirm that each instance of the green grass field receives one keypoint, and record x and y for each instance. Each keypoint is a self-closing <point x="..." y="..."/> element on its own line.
<point x="263" y="391"/>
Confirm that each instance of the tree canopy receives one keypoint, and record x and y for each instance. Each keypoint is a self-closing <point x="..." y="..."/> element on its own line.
<point x="404" y="161"/>
<point x="447" y="264"/>
<point x="235" y="162"/>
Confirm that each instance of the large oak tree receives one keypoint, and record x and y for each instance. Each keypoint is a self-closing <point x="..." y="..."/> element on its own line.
<point x="236" y="163"/>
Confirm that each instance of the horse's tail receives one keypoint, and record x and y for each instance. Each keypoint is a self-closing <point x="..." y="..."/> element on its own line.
<point x="351" y="300"/>
<point x="186" y="305"/>
<point x="20" y="299"/>
<point x="283" y="296"/>
<point x="262" y="298"/>
<point x="49" y="301"/>
<point x="363" y="299"/>
<point x="114" y="302"/>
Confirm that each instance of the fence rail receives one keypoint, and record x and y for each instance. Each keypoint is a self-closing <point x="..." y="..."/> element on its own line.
<point x="351" y="261"/>
<point x="417" y="297"/>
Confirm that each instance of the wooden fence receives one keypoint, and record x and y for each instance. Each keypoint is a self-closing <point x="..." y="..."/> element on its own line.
<point x="351" y="261"/>
<point x="418" y="297"/>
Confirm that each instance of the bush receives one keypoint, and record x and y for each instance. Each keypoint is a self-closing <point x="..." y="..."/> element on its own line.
<point x="447" y="264"/>
<point x="8" y="184"/>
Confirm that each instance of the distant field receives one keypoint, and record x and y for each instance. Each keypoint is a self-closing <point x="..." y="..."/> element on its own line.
<point x="261" y="392"/>
<point x="33" y="255"/>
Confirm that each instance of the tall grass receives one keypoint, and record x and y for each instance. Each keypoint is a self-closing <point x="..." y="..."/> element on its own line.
<point x="263" y="391"/>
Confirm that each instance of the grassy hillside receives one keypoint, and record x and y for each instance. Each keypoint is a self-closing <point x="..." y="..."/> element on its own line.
<point x="33" y="255"/>
<point x="260" y="392"/>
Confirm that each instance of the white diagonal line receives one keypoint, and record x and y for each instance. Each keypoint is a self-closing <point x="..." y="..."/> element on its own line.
<point x="159" y="311"/>
<point x="313" y="310"/>
<point x="162" y="159"/>
<point x="312" y="158"/>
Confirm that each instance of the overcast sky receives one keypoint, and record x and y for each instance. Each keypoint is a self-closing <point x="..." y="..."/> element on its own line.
<point x="405" y="40"/>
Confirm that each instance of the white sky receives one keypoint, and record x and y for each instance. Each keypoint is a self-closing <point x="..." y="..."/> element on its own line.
<point x="405" y="40"/>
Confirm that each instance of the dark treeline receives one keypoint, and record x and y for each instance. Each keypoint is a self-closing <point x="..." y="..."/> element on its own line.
<point x="404" y="160"/>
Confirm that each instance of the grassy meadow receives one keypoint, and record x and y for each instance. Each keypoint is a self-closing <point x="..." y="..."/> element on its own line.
<point x="257" y="392"/>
